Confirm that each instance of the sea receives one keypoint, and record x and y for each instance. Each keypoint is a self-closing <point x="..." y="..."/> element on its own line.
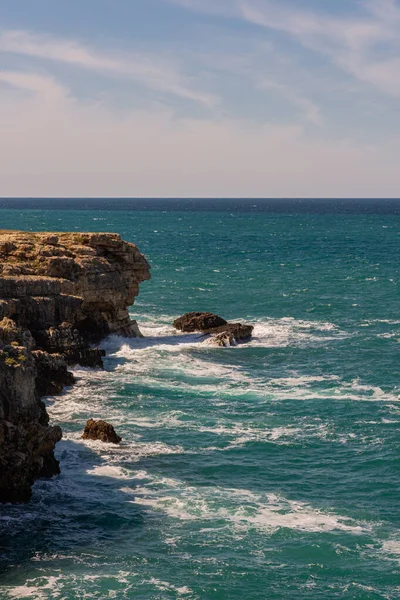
<point x="268" y="470"/>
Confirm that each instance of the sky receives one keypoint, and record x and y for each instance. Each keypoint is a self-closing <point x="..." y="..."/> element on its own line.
<point x="200" y="98"/>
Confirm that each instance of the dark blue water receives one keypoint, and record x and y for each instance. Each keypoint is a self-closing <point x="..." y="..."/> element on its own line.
<point x="267" y="470"/>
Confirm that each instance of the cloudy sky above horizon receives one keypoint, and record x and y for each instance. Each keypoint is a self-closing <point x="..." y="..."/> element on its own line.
<point x="195" y="98"/>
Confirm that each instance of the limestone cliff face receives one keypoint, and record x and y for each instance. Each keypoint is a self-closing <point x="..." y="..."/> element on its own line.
<point x="58" y="294"/>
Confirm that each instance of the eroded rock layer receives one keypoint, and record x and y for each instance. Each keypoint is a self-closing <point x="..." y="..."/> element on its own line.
<point x="59" y="293"/>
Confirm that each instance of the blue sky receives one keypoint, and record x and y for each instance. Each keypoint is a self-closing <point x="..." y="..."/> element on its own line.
<point x="260" y="98"/>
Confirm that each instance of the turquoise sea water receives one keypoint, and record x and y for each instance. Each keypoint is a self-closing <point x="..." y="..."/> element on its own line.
<point x="269" y="470"/>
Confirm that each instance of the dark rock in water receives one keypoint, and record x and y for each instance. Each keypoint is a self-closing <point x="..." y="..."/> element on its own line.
<point x="100" y="430"/>
<point x="52" y="373"/>
<point x="224" y="339"/>
<point x="198" y="321"/>
<point x="88" y="357"/>
<point x="50" y="468"/>
<point x="239" y="331"/>
<point x="211" y="324"/>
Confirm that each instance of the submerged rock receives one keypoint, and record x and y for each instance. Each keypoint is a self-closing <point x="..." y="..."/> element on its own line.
<point x="59" y="293"/>
<point x="225" y="334"/>
<point x="100" y="430"/>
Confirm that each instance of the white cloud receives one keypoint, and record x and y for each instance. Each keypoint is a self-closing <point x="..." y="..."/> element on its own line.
<point x="68" y="149"/>
<point x="152" y="72"/>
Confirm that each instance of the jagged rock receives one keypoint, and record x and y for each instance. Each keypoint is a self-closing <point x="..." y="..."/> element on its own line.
<point x="52" y="373"/>
<point x="26" y="440"/>
<point x="88" y="357"/>
<point x="50" y="468"/>
<point x="211" y="324"/>
<point x="100" y="430"/>
<point x="10" y="333"/>
<point x="59" y="293"/>
<point x="198" y="321"/>
<point x="239" y="331"/>
<point x="224" y="339"/>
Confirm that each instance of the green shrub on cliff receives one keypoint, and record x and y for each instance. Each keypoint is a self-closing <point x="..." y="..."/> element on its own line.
<point x="11" y="362"/>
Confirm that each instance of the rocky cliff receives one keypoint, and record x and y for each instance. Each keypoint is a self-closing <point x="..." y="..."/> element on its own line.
<point x="59" y="293"/>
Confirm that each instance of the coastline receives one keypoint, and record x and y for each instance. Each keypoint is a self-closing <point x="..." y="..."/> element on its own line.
<point x="59" y="294"/>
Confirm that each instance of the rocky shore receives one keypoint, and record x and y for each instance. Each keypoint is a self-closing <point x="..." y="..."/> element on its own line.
<point x="60" y="293"/>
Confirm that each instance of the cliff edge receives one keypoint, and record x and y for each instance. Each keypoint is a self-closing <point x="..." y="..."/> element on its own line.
<point x="59" y="293"/>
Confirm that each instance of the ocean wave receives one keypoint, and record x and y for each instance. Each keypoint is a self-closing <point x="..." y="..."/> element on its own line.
<point x="93" y="586"/>
<point x="390" y="549"/>
<point x="287" y="331"/>
<point x="134" y="450"/>
<point x="242" y="509"/>
<point x="270" y="332"/>
<point x="202" y="377"/>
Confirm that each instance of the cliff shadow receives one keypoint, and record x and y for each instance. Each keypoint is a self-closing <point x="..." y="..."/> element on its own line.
<point x="82" y="511"/>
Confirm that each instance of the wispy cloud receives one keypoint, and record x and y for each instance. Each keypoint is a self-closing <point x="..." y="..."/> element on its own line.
<point x="46" y="87"/>
<point x="366" y="46"/>
<point x="152" y="72"/>
<point x="310" y="110"/>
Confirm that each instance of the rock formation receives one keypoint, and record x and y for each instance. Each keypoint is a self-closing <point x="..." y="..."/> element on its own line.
<point x="198" y="321"/>
<point x="224" y="339"/>
<point x="100" y="430"/>
<point x="59" y="293"/>
<point x="239" y="331"/>
<point x="223" y="332"/>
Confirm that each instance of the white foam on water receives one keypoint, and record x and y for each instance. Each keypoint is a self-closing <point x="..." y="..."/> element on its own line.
<point x="302" y="380"/>
<point x="165" y="586"/>
<point x="232" y="384"/>
<point x="390" y="550"/>
<point x="170" y="420"/>
<point x="24" y="591"/>
<point x="288" y="331"/>
<point x="299" y="388"/>
<point x="40" y="588"/>
<point x="46" y="587"/>
<point x="108" y="471"/>
<point x="161" y="339"/>
<point x="154" y="363"/>
<point x="242" y="509"/>
<point x="286" y="434"/>
<point x="132" y="450"/>
<point x="370" y="392"/>
<point x="383" y="321"/>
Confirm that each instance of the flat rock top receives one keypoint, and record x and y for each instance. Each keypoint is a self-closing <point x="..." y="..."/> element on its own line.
<point x="65" y="255"/>
<point x="56" y="238"/>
